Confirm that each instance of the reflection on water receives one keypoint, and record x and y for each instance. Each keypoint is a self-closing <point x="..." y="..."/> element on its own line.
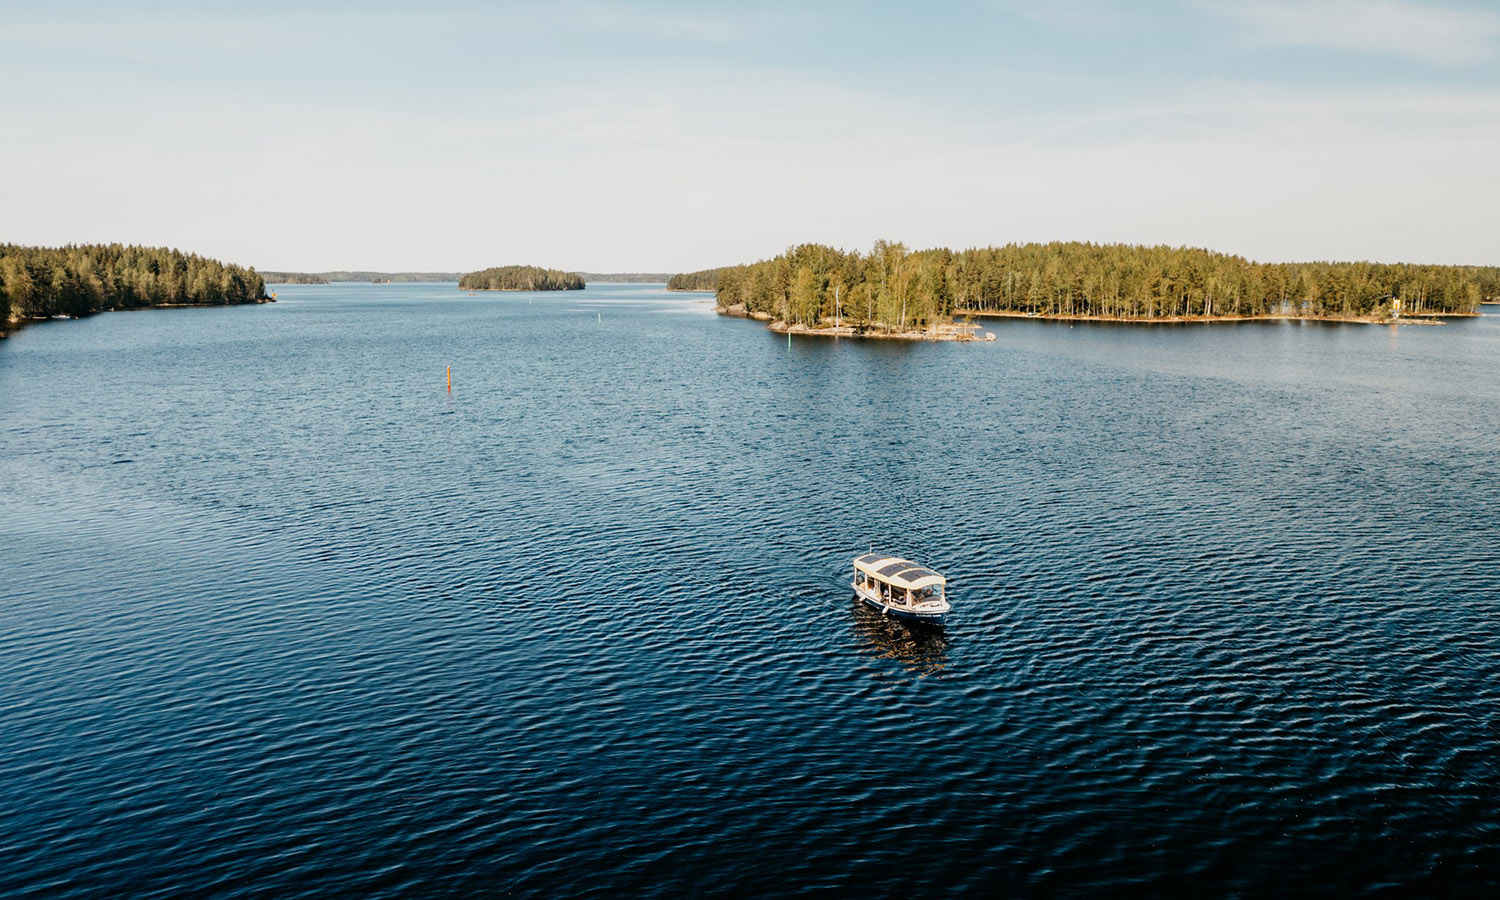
<point x="921" y="649"/>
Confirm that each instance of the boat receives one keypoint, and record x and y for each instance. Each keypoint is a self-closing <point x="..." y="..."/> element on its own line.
<point x="901" y="588"/>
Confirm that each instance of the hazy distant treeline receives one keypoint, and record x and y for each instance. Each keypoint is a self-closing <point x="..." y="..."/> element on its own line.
<point x="624" y="277"/>
<point x="293" y="278"/>
<point x="892" y="286"/>
<point x="76" y="280"/>
<point x="326" y="277"/>
<point x="521" y="278"/>
<point x="704" y="280"/>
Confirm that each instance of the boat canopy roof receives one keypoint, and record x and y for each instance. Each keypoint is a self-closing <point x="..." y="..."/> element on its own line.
<point x="897" y="572"/>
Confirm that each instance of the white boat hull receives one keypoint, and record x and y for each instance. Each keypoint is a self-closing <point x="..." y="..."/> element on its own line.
<point x="930" y="612"/>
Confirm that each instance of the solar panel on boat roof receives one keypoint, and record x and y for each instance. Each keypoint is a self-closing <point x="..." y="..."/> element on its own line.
<point x="893" y="568"/>
<point x="871" y="557"/>
<point x="914" y="574"/>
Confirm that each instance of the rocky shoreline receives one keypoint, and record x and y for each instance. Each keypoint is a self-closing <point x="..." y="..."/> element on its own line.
<point x="1414" y="319"/>
<point x="969" y="332"/>
<point x="16" y="323"/>
<point x="948" y="332"/>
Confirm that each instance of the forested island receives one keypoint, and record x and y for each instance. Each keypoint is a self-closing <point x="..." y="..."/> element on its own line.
<point x="892" y="291"/>
<point x="703" y="280"/>
<point x="521" y="278"/>
<point x="78" y="279"/>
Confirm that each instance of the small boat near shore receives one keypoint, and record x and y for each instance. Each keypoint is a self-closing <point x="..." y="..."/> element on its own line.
<point x="901" y="588"/>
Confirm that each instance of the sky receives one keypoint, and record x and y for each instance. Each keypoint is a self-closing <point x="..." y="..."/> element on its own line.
<point x="671" y="136"/>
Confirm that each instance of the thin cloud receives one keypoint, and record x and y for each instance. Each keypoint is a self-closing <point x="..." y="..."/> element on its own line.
<point x="1069" y="15"/>
<point x="698" y="28"/>
<point x="1394" y="27"/>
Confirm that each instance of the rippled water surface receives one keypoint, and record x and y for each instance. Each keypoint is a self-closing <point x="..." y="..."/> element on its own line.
<point x="281" y="617"/>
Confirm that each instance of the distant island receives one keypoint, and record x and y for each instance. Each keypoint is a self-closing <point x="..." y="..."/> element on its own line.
<point x="624" y="277"/>
<point x="411" y="277"/>
<point x="521" y="278"/>
<point x="294" y="278"/>
<point x="703" y="280"/>
<point x="367" y="277"/>
<point x="79" y="279"/>
<point x="897" y="293"/>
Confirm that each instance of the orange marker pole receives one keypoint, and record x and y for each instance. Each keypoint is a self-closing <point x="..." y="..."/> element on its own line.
<point x="450" y="379"/>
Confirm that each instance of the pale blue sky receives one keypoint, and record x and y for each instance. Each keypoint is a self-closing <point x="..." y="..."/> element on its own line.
<point x="666" y="136"/>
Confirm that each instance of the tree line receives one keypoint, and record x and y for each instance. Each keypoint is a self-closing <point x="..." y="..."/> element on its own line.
<point x="624" y="277"/>
<point x="381" y="277"/>
<point x="347" y="275"/>
<point x="704" y="280"/>
<point x="293" y="278"/>
<point x="900" y="289"/>
<point x="521" y="278"/>
<point x="78" y="279"/>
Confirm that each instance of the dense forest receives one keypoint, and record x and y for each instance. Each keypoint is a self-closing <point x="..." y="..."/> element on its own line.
<point x="37" y="282"/>
<point x="345" y="275"/>
<point x="521" y="278"/>
<point x="704" y="280"/>
<point x="894" y="288"/>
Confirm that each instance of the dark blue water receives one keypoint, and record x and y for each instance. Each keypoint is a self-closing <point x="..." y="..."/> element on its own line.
<point x="282" y="617"/>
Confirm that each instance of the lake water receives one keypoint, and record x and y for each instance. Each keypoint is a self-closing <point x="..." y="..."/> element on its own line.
<point x="281" y="616"/>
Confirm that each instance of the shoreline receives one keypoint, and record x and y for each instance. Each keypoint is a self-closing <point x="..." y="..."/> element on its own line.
<point x="955" y="331"/>
<point x="1416" y="319"/>
<point x="501" y="290"/>
<point x="945" y="333"/>
<point x="738" y="311"/>
<point x="16" y="323"/>
<point x="948" y="332"/>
